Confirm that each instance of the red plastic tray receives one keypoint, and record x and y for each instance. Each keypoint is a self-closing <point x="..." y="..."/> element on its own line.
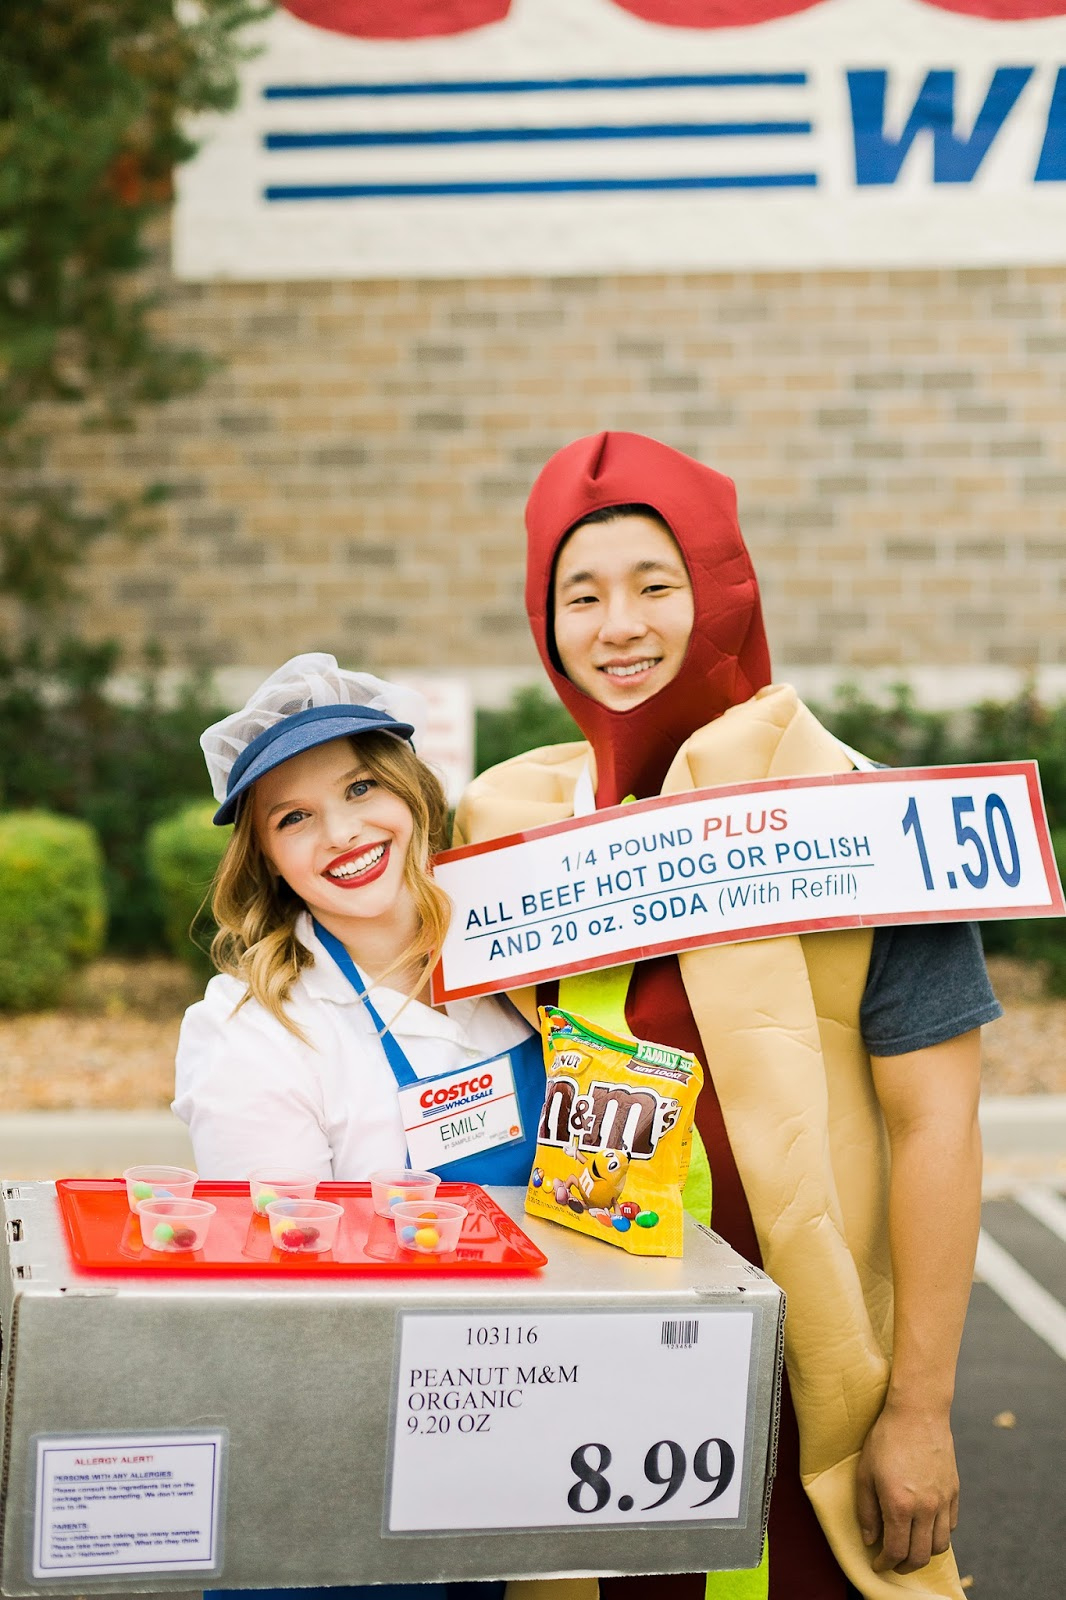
<point x="105" y="1236"/>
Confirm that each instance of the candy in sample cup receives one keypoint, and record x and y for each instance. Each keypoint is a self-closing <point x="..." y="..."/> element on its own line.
<point x="171" y="1224"/>
<point x="391" y="1187"/>
<point x="279" y="1183"/>
<point x="431" y="1229"/>
<point x="157" y="1183"/>
<point x="303" y="1225"/>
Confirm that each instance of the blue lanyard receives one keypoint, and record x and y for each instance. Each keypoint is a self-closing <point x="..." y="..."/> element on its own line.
<point x="507" y="1163"/>
<point x="402" y="1069"/>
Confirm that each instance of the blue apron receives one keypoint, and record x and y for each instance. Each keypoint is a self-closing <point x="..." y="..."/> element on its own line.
<point x="504" y="1163"/>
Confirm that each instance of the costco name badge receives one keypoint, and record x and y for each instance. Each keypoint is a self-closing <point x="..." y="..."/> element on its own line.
<point x="461" y="1113"/>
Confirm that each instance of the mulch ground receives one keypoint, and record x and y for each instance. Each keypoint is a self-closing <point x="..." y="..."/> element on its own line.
<point x="111" y="1047"/>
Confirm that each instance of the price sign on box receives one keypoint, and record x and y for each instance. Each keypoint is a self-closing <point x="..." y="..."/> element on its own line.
<point x="746" y="861"/>
<point x="565" y="1420"/>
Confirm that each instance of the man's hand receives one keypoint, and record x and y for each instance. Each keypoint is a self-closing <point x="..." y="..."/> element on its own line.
<point x="908" y="1489"/>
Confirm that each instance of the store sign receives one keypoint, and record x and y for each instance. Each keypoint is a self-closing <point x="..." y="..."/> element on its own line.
<point x="750" y="861"/>
<point x="446" y="740"/>
<point x="481" y="136"/>
<point x="536" y="1411"/>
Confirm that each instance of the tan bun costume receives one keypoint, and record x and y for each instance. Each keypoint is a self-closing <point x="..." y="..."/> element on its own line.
<point x="790" y="1096"/>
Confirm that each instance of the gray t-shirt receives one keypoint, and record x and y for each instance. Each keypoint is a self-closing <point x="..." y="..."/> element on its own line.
<point x="926" y="983"/>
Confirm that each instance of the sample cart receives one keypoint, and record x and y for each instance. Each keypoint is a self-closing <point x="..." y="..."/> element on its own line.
<point x="184" y="1428"/>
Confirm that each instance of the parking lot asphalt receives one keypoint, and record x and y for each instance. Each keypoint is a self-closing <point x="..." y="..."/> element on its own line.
<point x="1010" y="1403"/>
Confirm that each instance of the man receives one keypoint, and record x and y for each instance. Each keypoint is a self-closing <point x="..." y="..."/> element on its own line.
<point x="840" y="1108"/>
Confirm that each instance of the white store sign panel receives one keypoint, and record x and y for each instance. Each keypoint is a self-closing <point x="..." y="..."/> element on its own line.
<point x="544" y="1429"/>
<point x="552" y="136"/>
<point x="446" y="742"/>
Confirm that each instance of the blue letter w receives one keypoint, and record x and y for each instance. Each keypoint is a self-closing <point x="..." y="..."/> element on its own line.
<point x="878" y="158"/>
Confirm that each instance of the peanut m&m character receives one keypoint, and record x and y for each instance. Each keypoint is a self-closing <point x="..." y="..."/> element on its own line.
<point x="603" y="1178"/>
<point x="839" y="1111"/>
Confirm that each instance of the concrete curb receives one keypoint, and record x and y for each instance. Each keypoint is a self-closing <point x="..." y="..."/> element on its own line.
<point x="1024" y="1139"/>
<point x="1024" y="1124"/>
<point x="56" y="1144"/>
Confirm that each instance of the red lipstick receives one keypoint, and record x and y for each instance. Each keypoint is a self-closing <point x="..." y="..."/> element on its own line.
<point x="358" y="879"/>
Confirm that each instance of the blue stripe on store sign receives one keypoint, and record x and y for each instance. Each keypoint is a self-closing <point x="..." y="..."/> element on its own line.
<point x="379" y="191"/>
<point x="686" y="80"/>
<point x="640" y="130"/>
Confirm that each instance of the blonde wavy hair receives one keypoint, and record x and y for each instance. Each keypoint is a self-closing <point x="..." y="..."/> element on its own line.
<point x="256" y="911"/>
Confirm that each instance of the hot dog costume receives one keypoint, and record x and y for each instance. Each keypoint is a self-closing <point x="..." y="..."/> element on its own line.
<point x="788" y="1114"/>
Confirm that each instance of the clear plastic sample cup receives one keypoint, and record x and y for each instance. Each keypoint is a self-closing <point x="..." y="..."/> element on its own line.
<point x="433" y="1229"/>
<point x="279" y="1183"/>
<point x="176" y="1225"/>
<point x="303" y="1225"/>
<point x="158" y="1183"/>
<point x="392" y="1186"/>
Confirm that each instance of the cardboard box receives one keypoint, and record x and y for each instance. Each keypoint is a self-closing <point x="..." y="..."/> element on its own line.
<point x="315" y="1392"/>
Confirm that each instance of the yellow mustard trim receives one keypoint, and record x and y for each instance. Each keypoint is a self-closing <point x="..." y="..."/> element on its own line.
<point x="600" y="997"/>
<point x="696" y="1195"/>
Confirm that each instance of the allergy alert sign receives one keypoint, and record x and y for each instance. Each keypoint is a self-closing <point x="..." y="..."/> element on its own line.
<point x="746" y="861"/>
<point x="106" y="1506"/>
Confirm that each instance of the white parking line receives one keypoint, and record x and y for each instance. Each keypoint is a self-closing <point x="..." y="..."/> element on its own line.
<point x="1028" y="1299"/>
<point x="1045" y="1205"/>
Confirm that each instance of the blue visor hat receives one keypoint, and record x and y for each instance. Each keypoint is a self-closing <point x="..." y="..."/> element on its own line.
<point x="292" y="736"/>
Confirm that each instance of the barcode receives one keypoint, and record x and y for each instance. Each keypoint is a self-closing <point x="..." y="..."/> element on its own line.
<point x="680" y="1335"/>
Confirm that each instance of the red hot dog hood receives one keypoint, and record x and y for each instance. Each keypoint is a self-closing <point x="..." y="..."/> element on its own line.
<point x="727" y="658"/>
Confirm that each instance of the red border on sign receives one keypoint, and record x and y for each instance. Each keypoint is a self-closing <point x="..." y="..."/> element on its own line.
<point x="1026" y="769"/>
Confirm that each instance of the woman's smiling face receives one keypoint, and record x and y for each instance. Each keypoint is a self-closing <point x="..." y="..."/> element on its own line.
<point x="623" y="609"/>
<point x="337" y="836"/>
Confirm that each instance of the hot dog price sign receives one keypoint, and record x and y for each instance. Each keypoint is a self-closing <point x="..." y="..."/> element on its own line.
<point x="746" y="861"/>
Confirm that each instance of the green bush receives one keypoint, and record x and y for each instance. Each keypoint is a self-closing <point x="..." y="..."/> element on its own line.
<point x="53" y="912"/>
<point x="67" y="746"/>
<point x="529" y="721"/>
<point x="1036" y="938"/>
<point x="183" y="852"/>
<point x="896" y="733"/>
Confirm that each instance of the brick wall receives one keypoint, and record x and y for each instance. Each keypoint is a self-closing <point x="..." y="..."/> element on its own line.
<point x="353" y="478"/>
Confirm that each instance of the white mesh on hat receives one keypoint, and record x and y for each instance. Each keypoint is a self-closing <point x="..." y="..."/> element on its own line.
<point x="309" y="680"/>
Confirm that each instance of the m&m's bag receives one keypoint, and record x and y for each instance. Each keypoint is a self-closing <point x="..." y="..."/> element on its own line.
<point x="615" y="1135"/>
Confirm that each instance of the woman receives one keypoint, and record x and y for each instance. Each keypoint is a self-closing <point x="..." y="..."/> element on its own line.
<point x="329" y="923"/>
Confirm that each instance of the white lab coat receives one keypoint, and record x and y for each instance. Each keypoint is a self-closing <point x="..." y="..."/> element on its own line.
<point x="254" y="1095"/>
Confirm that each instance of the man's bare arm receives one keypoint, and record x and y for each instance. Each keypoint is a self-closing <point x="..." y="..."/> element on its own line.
<point x="908" y="1486"/>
